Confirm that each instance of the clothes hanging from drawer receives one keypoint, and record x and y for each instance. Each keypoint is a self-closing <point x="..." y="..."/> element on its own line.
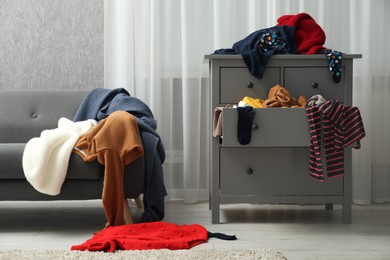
<point x="342" y="126"/>
<point x="278" y="97"/>
<point x="244" y="123"/>
<point x="246" y="115"/>
<point x="217" y="120"/>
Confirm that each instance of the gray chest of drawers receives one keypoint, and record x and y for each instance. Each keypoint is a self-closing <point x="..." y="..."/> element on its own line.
<point x="274" y="166"/>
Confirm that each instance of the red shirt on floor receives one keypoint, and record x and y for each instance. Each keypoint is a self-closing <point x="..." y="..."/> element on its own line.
<point x="142" y="236"/>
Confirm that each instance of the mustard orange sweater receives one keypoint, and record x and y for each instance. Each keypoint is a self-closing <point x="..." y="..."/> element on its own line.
<point x="114" y="142"/>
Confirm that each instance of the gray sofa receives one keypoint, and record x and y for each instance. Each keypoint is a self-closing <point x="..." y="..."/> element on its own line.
<point x="24" y="114"/>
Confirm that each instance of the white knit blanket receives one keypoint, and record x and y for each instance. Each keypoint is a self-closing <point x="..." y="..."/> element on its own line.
<point x="46" y="158"/>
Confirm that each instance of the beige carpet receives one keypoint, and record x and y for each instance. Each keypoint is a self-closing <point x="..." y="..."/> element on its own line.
<point x="264" y="254"/>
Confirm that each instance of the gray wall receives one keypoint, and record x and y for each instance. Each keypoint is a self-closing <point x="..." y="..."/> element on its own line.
<point x="51" y="44"/>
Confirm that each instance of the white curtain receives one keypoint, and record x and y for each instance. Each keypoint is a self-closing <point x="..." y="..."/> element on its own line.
<point x="155" y="50"/>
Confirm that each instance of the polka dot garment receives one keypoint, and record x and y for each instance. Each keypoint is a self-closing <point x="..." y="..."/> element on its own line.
<point x="269" y="40"/>
<point x="334" y="60"/>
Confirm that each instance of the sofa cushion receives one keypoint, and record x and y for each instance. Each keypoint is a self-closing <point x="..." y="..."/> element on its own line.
<point x="26" y="113"/>
<point x="11" y="164"/>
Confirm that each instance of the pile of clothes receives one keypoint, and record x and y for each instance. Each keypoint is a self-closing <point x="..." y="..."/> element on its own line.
<point x="115" y="129"/>
<point x="278" y="96"/>
<point x="293" y="34"/>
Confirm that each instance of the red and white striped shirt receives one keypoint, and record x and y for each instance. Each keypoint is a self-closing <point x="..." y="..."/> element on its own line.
<point x="342" y="126"/>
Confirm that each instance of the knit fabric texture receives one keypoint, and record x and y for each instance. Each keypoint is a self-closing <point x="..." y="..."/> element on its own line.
<point x="143" y="236"/>
<point x="46" y="158"/>
<point x="309" y="36"/>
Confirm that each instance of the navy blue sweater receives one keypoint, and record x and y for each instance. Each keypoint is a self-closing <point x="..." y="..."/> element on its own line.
<point x="258" y="47"/>
<point x="99" y="104"/>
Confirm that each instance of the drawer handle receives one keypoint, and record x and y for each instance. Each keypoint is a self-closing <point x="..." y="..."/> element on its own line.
<point x="249" y="85"/>
<point x="255" y="126"/>
<point x="249" y="171"/>
<point x="314" y="84"/>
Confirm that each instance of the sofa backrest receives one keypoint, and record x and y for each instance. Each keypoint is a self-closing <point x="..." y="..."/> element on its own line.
<point x="25" y="113"/>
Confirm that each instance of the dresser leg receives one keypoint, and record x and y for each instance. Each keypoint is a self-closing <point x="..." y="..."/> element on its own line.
<point x="215" y="214"/>
<point x="215" y="207"/>
<point x="210" y="196"/>
<point x="347" y="201"/>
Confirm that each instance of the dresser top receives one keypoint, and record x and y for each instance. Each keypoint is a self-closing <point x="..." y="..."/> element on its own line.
<point x="282" y="56"/>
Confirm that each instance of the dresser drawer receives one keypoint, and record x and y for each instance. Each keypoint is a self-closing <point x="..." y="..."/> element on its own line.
<point x="312" y="81"/>
<point x="276" y="127"/>
<point x="237" y="82"/>
<point x="271" y="171"/>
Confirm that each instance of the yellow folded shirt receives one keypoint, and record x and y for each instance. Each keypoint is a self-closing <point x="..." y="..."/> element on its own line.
<point x="255" y="103"/>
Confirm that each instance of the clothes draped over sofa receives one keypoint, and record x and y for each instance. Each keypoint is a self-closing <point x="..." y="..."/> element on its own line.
<point x="113" y="128"/>
<point x="98" y="105"/>
<point x="114" y="142"/>
<point x="46" y="158"/>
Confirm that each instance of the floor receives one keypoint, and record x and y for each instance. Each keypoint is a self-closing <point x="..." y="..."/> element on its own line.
<point x="298" y="231"/>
